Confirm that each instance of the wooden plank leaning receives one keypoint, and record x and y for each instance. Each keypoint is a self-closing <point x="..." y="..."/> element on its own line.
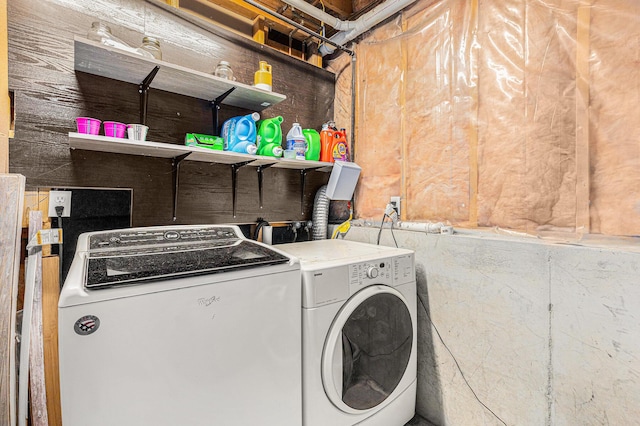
<point x="31" y="350"/>
<point x="37" y="391"/>
<point x="11" y="205"/>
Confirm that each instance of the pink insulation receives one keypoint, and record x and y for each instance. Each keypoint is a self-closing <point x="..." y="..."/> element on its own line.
<point x="472" y="112"/>
<point x="379" y="144"/>
<point x="615" y="117"/>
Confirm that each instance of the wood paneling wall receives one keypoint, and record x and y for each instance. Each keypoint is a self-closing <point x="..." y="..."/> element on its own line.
<point x="49" y="95"/>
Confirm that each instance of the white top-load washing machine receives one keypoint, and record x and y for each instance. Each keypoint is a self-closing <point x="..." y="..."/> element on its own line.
<point x="358" y="333"/>
<point x="180" y="325"/>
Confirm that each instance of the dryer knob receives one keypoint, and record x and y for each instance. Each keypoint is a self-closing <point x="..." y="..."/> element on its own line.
<point x="372" y="272"/>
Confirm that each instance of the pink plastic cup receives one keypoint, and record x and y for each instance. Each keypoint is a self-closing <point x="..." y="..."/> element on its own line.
<point x="114" y="129"/>
<point x="90" y="126"/>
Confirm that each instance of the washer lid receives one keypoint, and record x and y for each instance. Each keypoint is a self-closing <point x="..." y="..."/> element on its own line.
<point x="367" y="350"/>
<point x="152" y="254"/>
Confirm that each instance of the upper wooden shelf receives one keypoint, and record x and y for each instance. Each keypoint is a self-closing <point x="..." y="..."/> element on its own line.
<point x="95" y="58"/>
<point x="168" y="150"/>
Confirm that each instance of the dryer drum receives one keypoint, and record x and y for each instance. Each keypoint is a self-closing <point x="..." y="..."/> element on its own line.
<point x="376" y="346"/>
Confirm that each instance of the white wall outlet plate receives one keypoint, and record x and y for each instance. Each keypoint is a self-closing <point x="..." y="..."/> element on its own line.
<point x="395" y="202"/>
<point x="60" y="198"/>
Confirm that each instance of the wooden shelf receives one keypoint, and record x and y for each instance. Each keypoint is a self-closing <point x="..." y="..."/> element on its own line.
<point x="285" y="163"/>
<point x="167" y="150"/>
<point x="95" y="58"/>
<point x="125" y="146"/>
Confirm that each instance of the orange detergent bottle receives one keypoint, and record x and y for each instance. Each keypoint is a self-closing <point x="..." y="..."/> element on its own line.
<point x="327" y="136"/>
<point x="340" y="149"/>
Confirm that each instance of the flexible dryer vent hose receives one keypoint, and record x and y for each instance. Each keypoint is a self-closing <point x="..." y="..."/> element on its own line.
<point x="320" y="214"/>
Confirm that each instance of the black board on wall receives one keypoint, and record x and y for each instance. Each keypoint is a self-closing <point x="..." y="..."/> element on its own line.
<point x="50" y="94"/>
<point x="92" y="209"/>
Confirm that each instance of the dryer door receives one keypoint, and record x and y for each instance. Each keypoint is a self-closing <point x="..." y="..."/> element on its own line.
<point x="367" y="349"/>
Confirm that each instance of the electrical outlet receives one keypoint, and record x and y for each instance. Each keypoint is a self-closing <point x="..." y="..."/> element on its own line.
<point x="395" y="202"/>
<point x="60" y="198"/>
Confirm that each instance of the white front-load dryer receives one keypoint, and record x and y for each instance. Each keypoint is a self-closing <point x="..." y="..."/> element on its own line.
<point x="358" y="333"/>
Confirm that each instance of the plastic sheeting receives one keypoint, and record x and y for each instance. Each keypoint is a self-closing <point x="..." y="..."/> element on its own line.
<point x="510" y="113"/>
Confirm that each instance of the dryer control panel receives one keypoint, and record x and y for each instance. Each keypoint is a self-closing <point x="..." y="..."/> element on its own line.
<point x="391" y="271"/>
<point x="370" y="273"/>
<point x="404" y="270"/>
<point x="334" y="270"/>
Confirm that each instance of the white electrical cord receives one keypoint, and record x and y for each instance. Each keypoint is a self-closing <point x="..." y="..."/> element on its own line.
<point x="59" y="211"/>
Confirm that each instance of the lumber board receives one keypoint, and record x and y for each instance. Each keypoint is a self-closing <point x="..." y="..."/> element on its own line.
<point x="473" y="139"/>
<point x="50" y="296"/>
<point x="583" y="175"/>
<point x="37" y="390"/>
<point x="5" y="105"/>
<point x="12" y="199"/>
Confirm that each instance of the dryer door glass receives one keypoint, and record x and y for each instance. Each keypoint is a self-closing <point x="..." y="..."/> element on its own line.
<point x="376" y="346"/>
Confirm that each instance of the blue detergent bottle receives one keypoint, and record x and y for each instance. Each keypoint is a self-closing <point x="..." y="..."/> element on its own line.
<point x="239" y="133"/>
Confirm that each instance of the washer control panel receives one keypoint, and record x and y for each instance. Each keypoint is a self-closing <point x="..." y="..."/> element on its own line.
<point x="135" y="238"/>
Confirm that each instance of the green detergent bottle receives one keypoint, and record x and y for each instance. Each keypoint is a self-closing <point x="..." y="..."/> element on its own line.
<point x="313" y="144"/>
<point x="270" y="137"/>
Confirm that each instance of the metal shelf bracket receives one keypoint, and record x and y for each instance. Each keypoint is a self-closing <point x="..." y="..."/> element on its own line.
<point x="143" y="89"/>
<point x="175" y="163"/>
<point x="261" y="168"/>
<point x="234" y="177"/>
<point x="303" y="178"/>
<point x="215" y="109"/>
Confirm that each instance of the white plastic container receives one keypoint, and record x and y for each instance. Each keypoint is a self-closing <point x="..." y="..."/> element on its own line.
<point x="296" y="141"/>
<point x="343" y="180"/>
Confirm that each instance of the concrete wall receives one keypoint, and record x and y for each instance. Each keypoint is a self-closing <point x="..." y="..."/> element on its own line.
<point x="544" y="333"/>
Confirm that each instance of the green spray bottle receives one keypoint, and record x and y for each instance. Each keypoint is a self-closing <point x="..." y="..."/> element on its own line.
<point x="270" y="137"/>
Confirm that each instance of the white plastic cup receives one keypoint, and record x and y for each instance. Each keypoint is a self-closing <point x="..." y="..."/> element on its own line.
<point x="137" y="132"/>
